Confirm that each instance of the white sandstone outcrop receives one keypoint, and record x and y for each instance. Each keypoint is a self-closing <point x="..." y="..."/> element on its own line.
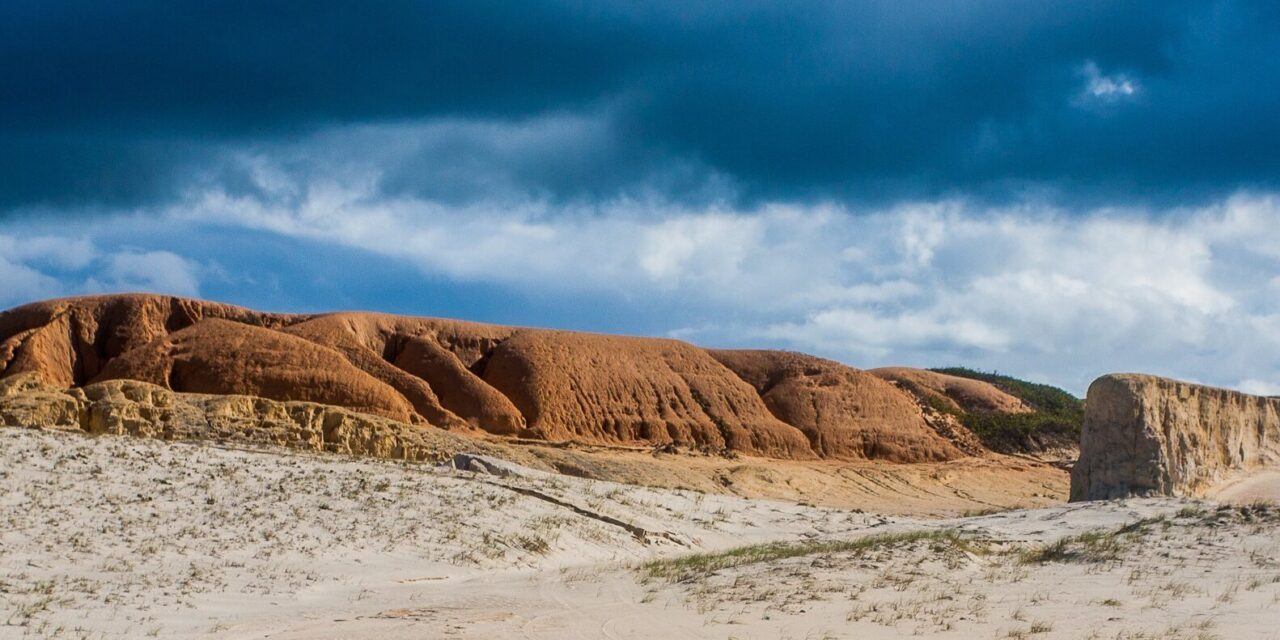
<point x="1149" y="436"/>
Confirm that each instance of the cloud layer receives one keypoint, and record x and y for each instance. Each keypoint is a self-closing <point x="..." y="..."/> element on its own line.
<point x="131" y="102"/>
<point x="1053" y="190"/>
<point x="44" y="266"/>
<point x="1054" y="295"/>
<point x="1063" y="296"/>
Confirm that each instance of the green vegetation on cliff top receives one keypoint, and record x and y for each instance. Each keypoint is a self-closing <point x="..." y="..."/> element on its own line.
<point x="1055" y="421"/>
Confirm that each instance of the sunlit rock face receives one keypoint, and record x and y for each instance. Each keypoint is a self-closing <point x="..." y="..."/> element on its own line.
<point x="486" y="380"/>
<point x="1150" y="436"/>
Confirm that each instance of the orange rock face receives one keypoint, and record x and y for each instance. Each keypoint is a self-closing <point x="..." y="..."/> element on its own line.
<point x="620" y="390"/>
<point x="220" y="356"/>
<point x="506" y="381"/>
<point x="69" y="341"/>
<point x="844" y="412"/>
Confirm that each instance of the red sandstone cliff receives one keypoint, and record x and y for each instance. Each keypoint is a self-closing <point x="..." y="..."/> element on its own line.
<point x="506" y="381"/>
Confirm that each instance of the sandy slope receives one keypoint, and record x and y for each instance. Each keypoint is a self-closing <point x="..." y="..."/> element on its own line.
<point x="1202" y="576"/>
<point x="130" y="536"/>
<point x="114" y="537"/>
<point x="140" y="409"/>
<point x="1261" y="485"/>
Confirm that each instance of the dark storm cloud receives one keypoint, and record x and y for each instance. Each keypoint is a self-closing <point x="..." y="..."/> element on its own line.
<point x="125" y="103"/>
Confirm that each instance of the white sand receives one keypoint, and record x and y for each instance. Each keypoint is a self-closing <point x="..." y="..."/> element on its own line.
<point x="1262" y="485"/>
<point x="121" y="538"/>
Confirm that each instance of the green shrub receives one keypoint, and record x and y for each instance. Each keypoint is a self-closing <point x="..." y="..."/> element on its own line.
<point x="1055" y="420"/>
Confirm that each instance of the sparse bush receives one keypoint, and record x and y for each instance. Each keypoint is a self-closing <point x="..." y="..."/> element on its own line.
<point x="690" y="567"/>
<point x="1091" y="546"/>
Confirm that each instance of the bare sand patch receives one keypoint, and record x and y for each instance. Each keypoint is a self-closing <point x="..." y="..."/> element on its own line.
<point x="1261" y="486"/>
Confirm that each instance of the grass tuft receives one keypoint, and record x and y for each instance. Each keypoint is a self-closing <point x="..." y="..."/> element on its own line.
<point x="686" y="568"/>
<point x="1104" y="545"/>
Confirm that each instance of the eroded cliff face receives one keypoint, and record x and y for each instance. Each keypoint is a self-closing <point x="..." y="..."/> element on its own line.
<point x="140" y="409"/>
<point x="480" y="378"/>
<point x="1150" y="436"/>
<point x="844" y="412"/>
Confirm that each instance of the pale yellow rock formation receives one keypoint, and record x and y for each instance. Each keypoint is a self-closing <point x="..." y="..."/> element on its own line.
<point x="133" y="408"/>
<point x="1150" y="436"/>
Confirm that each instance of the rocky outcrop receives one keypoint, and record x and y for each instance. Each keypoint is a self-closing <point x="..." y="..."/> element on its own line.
<point x="424" y="359"/>
<point x="479" y="378"/>
<point x="618" y="390"/>
<point x="844" y="412"/>
<point x="1150" y="436"/>
<point x="140" y="409"/>
<point x="67" y="342"/>
<point x="224" y="357"/>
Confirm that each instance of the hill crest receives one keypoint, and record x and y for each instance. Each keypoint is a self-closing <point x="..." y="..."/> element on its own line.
<point x="490" y="380"/>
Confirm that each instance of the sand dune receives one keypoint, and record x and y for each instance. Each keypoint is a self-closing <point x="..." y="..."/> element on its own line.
<point x="116" y="537"/>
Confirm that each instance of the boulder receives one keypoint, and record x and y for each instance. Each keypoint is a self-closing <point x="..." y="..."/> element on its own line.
<point x="492" y="466"/>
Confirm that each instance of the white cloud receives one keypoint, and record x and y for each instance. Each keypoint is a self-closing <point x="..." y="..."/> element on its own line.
<point x="20" y="283"/>
<point x="1087" y="294"/>
<point x="1259" y="387"/>
<point x="1100" y="87"/>
<point x="1024" y="289"/>
<point x="626" y="247"/>
<point x="710" y="247"/>
<point x="874" y="334"/>
<point x="57" y="251"/>
<point x="34" y="267"/>
<point x="24" y="261"/>
<point x="148" y="271"/>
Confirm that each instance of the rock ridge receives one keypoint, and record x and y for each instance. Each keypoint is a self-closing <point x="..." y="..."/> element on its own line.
<point x="141" y="409"/>
<point x="479" y="378"/>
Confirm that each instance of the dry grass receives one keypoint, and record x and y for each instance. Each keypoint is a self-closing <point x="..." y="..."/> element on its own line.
<point x="1091" y="546"/>
<point x="685" y="568"/>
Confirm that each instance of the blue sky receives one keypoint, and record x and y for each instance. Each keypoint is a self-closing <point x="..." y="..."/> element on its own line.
<point x="1054" y="190"/>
